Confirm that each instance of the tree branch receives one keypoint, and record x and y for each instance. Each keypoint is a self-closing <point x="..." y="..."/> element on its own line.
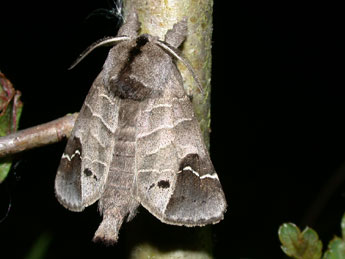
<point x="37" y="136"/>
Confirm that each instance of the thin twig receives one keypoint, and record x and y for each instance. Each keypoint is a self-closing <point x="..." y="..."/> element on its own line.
<point x="37" y="136"/>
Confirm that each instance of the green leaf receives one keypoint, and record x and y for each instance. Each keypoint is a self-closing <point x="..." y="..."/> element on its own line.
<point x="336" y="248"/>
<point x="305" y="245"/>
<point x="10" y="111"/>
<point x="5" y="167"/>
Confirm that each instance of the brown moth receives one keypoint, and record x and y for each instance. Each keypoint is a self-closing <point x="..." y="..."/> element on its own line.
<point x="137" y="141"/>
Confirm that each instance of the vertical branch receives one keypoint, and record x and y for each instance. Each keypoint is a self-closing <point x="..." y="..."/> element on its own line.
<point x="156" y="17"/>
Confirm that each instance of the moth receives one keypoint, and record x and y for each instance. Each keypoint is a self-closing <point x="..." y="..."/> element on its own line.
<point x="137" y="141"/>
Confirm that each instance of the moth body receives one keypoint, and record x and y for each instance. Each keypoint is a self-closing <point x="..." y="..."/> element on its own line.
<point x="136" y="141"/>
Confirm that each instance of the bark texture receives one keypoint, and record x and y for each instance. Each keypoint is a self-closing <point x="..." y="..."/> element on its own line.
<point x="158" y="16"/>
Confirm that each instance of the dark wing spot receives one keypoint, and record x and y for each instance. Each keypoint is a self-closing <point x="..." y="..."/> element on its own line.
<point x="163" y="184"/>
<point x="126" y="87"/>
<point x="129" y="88"/>
<point x="87" y="172"/>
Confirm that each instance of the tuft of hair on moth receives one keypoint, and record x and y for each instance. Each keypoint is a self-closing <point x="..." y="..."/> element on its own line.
<point x="114" y="12"/>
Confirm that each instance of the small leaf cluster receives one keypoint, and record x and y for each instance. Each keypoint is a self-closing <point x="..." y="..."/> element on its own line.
<point x="306" y="244"/>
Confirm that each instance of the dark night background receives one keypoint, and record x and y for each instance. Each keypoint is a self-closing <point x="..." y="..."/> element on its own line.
<point x="278" y="131"/>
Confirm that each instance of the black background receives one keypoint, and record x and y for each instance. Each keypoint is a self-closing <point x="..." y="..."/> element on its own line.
<point x="278" y="131"/>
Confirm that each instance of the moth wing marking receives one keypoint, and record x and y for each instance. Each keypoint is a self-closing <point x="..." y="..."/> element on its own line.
<point x="175" y="179"/>
<point x="84" y="166"/>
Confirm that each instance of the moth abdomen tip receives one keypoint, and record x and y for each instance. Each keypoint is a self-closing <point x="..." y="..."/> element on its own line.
<point x="107" y="231"/>
<point x="104" y="240"/>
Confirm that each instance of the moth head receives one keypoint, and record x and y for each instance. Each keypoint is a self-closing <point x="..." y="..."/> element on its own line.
<point x="137" y="69"/>
<point x="128" y="34"/>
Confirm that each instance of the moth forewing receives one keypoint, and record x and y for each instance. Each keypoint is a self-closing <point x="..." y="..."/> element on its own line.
<point x="85" y="162"/>
<point x="175" y="179"/>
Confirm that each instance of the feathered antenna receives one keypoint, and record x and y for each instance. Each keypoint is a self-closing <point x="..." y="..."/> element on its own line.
<point x="177" y="54"/>
<point x="114" y="12"/>
<point x="109" y="41"/>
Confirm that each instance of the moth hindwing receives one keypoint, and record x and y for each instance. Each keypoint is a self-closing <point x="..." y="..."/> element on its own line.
<point x="136" y="141"/>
